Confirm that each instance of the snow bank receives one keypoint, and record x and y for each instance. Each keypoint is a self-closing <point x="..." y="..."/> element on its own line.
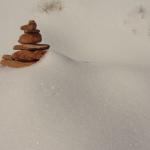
<point x="63" y="104"/>
<point x="115" y="31"/>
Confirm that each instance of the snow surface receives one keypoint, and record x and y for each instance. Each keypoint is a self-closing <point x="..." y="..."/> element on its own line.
<point x="96" y="97"/>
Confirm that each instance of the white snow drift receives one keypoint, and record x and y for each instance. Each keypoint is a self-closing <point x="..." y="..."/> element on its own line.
<point x="64" y="104"/>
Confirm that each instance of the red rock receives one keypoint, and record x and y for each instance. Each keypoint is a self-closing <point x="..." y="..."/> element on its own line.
<point x="32" y="31"/>
<point x="27" y="38"/>
<point x="7" y="57"/>
<point x="31" y="47"/>
<point x="31" y="26"/>
<point x="16" y="64"/>
<point x="27" y="56"/>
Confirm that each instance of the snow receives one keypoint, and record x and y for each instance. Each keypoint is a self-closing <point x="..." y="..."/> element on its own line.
<point x="91" y="91"/>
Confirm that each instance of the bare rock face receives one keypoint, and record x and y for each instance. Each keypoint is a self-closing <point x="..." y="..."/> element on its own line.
<point x="29" y="51"/>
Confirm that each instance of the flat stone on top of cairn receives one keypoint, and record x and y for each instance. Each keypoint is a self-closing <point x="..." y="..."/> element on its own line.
<point x="29" y="51"/>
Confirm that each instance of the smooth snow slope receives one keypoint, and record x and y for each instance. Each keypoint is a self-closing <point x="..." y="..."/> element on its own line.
<point x="99" y="30"/>
<point x="62" y="104"/>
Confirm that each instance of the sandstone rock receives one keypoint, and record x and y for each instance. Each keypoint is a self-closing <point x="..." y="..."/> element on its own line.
<point x="16" y="64"/>
<point x="7" y="57"/>
<point x="31" y="47"/>
<point x="32" y="31"/>
<point x="29" y="51"/>
<point x="27" y="56"/>
<point x="31" y="26"/>
<point x="30" y="38"/>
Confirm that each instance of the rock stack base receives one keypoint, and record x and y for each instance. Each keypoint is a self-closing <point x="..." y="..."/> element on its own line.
<point x="29" y="51"/>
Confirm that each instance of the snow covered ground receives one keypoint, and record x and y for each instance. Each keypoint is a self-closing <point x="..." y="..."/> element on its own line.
<point x="91" y="91"/>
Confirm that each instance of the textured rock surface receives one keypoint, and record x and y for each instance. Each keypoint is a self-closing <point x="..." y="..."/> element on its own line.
<point x="27" y="56"/>
<point x="30" y="38"/>
<point x="30" y="27"/>
<point x="29" y="51"/>
<point x="31" y="47"/>
<point x="16" y="64"/>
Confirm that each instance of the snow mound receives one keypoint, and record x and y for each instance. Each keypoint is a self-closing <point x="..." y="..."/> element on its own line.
<point x="63" y="104"/>
<point x="138" y="21"/>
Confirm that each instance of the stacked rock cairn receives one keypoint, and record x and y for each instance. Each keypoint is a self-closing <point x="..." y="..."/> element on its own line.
<point x="29" y="51"/>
